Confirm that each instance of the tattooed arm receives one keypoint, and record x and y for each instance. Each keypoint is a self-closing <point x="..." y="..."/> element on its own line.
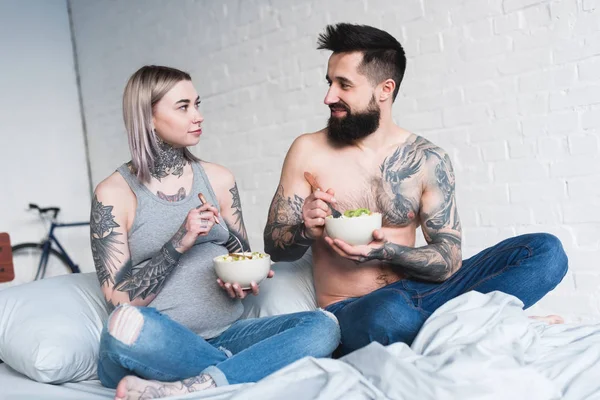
<point x="121" y="281"/>
<point x="440" y="223"/>
<point x="231" y="210"/>
<point x="285" y="234"/>
<point x="226" y="190"/>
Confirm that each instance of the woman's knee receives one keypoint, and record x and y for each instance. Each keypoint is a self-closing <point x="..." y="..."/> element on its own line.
<point x="125" y="324"/>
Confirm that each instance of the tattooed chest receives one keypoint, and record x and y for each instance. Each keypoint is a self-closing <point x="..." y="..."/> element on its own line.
<point x="395" y="186"/>
<point x="399" y="206"/>
<point x="399" y="187"/>
<point x="397" y="202"/>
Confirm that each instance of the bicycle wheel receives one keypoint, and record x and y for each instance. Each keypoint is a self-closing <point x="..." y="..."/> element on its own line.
<point x="26" y="260"/>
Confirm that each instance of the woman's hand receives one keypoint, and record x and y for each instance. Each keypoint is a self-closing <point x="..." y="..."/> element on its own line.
<point x="235" y="290"/>
<point x="198" y="222"/>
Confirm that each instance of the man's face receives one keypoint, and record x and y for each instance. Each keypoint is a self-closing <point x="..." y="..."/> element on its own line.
<point x="355" y="112"/>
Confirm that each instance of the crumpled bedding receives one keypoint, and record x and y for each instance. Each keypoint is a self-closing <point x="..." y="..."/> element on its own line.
<point x="476" y="346"/>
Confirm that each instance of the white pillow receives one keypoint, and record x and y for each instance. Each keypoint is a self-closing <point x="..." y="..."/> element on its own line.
<point x="290" y="290"/>
<point x="50" y="329"/>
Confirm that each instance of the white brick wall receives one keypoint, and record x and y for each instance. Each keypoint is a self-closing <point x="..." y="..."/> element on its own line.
<point x="42" y="153"/>
<point x="510" y="88"/>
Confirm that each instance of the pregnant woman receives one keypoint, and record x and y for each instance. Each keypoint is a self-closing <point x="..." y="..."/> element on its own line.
<point x="153" y="243"/>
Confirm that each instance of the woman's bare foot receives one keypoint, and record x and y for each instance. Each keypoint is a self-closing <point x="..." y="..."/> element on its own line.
<point x="550" y="319"/>
<point x="133" y="388"/>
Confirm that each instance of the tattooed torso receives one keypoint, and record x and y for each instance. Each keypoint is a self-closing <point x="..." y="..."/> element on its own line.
<point x="112" y="216"/>
<point x="393" y="184"/>
<point x="108" y="239"/>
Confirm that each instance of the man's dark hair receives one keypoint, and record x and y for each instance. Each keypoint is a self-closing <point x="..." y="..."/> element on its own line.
<point x="383" y="56"/>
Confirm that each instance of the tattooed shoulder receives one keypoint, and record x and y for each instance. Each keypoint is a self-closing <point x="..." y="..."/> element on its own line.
<point x="398" y="187"/>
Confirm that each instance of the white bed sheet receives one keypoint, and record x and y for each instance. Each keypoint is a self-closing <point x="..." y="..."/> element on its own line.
<point x="475" y="347"/>
<point x="14" y="386"/>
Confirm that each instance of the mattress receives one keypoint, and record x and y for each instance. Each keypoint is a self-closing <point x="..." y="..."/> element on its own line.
<point x="13" y="385"/>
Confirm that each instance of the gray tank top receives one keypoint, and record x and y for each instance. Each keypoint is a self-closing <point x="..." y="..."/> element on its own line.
<point x="190" y="295"/>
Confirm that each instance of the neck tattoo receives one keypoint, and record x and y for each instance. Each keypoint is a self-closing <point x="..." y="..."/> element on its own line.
<point x="168" y="161"/>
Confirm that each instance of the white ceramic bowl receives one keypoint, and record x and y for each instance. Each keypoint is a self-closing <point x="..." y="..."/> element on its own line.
<point x="242" y="272"/>
<point x="355" y="230"/>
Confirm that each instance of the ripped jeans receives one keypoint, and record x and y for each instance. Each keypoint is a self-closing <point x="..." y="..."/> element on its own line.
<point x="247" y="351"/>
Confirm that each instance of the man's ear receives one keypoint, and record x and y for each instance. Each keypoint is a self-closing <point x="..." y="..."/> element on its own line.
<point x="387" y="89"/>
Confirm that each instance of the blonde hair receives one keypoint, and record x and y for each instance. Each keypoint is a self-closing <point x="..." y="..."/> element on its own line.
<point x="144" y="89"/>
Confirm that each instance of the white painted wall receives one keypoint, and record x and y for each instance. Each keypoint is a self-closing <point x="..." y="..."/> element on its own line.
<point x="510" y="88"/>
<point x="42" y="154"/>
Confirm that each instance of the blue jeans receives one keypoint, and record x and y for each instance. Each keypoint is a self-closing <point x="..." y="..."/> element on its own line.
<point x="246" y="352"/>
<point x="526" y="266"/>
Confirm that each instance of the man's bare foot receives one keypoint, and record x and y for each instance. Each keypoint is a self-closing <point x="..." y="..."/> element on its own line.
<point x="550" y="319"/>
<point x="133" y="388"/>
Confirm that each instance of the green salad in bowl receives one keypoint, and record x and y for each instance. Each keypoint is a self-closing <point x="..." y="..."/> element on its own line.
<point x="359" y="212"/>
<point x="354" y="227"/>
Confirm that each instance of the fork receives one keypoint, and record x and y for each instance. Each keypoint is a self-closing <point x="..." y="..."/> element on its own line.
<point x="203" y="201"/>
<point x="312" y="181"/>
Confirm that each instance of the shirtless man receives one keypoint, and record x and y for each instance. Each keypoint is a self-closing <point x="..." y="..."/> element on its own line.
<point x="384" y="291"/>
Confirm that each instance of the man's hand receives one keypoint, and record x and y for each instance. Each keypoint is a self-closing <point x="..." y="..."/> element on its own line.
<point x="235" y="290"/>
<point x="359" y="253"/>
<point x="314" y="212"/>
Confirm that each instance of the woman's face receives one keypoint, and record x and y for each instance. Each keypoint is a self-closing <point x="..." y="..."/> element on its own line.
<point x="176" y="117"/>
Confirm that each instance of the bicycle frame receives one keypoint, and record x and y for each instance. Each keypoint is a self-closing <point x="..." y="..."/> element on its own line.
<point x="48" y="245"/>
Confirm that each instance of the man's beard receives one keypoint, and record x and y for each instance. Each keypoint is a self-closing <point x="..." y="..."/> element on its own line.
<point x="347" y="130"/>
